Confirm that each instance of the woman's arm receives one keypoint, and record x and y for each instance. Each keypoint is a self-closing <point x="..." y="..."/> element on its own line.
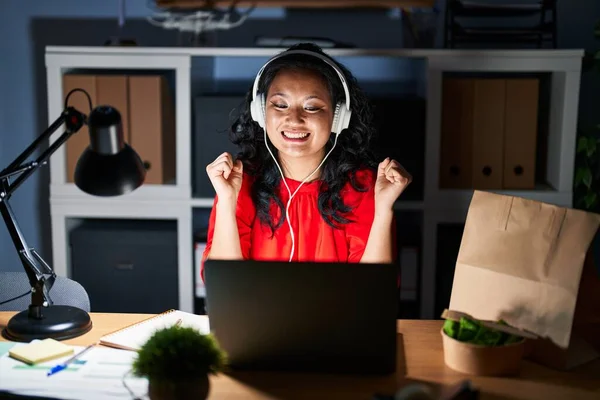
<point x="226" y="176"/>
<point x="226" y="236"/>
<point x="379" y="244"/>
<point x="391" y="181"/>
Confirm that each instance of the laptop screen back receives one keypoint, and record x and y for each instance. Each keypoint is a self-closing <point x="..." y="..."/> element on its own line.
<point x="321" y="317"/>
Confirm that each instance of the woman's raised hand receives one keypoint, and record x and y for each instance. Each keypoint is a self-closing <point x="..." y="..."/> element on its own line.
<point x="226" y="176"/>
<point x="392" y="179"/>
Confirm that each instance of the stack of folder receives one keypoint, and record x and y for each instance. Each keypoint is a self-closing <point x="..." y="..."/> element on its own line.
<point x="489" y="133"/>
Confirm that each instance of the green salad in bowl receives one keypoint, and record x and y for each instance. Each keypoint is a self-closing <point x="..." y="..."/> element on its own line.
<point x="475" y="332"/>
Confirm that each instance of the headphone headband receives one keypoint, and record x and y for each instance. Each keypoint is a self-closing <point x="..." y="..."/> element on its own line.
<point x="310" y="53"/>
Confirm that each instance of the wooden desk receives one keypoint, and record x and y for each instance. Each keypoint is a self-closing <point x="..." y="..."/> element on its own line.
<point x="420" y="359"/>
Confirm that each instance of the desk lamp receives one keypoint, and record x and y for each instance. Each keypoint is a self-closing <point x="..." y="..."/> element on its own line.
<point x="108" y="167"/>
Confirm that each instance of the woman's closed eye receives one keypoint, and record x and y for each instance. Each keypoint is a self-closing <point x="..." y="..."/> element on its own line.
<point x="309" y="108"/>
<point x="279" y="105"/>
<point x="312" y="108"/>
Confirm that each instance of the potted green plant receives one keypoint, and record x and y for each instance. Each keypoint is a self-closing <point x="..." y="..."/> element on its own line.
<point x="587" y="173"/>
<point x="177" y="362"/>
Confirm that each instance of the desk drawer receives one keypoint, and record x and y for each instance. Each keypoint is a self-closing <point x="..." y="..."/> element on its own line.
<point x="127" y="266"/>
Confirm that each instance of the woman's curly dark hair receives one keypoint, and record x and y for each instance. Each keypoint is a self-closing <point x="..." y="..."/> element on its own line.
<point x="352" y="151"/>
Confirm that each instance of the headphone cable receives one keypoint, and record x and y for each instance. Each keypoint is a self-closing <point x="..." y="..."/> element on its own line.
<point x="287" y="208"/>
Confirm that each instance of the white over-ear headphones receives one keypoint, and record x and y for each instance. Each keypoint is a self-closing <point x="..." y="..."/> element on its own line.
<point x="342" y="114"/>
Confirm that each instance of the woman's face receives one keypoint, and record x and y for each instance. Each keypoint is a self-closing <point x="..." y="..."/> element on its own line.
<point x="299" y="115"/>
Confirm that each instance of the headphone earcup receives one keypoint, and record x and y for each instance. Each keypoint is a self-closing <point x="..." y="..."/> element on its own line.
<point x="336" y="119"/>
<point x="341" y="118"/>
<point x="263" y="112"/>
<point x="257" y="110"/>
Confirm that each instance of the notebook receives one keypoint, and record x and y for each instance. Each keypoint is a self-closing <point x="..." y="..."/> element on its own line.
<point x="134" y="336"/>
<point x="39" y="351"/>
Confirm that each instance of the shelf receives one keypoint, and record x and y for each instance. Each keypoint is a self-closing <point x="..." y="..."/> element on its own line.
<point x="157" y="195"/>
<point x="186" y="4"/>
<point x="420" y="209"/>
<point x="83" y="53"/>
<point x="507" y="37"/>
<point x="452" y="205"/>
<point x="205" y="202"/>
<point x="450" y="199"/>
<point x="398" y="205"/>
<point x="146" y="192"/>
<point x="479" y="9"/>
<point x="496" y="34"/>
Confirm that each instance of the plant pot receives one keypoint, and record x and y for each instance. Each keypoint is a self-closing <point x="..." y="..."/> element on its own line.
<point x="197" y="388"/>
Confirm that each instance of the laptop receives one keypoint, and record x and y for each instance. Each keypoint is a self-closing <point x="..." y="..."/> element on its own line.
<point x="311" y="317"/>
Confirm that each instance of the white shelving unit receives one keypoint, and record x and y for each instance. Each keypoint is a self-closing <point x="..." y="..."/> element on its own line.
<point x="176" y="202"/>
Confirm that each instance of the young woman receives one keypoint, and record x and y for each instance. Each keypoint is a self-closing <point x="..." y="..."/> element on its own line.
<point x="305" y="186"/>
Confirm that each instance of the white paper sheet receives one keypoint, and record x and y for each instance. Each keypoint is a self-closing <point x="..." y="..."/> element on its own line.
<point x="97" y="375"/>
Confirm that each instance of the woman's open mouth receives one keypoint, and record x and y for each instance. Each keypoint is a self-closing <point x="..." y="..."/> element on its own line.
<point x="295" y="136"/>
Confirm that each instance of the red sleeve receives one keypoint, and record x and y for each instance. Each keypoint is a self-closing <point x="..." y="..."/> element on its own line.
<point x="245" y="217"/>
<point x="363" y="203"/>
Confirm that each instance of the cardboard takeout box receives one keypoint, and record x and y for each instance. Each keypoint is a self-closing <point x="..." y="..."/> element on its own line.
<point x="521" y="261"/>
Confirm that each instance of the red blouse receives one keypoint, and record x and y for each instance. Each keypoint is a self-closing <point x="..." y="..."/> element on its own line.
<point x="314" y="239"/>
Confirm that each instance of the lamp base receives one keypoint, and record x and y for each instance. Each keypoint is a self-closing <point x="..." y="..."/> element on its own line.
<point x="57" y="322"/>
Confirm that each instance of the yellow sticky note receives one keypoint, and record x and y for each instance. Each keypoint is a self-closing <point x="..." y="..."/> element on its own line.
<point x="43" y="350"/>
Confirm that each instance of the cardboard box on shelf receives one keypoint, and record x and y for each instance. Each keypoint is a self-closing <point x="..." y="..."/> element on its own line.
<point x="147" y="113"/>
<point x="153" y="126"/>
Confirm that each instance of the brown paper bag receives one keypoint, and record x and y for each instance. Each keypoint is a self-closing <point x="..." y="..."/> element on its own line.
<point x="521" y="261"/>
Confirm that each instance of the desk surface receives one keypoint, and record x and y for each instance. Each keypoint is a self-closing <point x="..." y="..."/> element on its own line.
<point x="420" y="359"/>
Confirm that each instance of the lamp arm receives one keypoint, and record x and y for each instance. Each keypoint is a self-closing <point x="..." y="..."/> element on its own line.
<point x="41" y="275"/>
<point x="73" y="121"/>
<point x="33" y="146"/>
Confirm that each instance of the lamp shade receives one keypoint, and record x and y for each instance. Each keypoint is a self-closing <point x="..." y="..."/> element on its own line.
<point x="108" y="166"/>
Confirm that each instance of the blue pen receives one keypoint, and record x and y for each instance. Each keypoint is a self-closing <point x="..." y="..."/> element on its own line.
<point x="64" y="365"/>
